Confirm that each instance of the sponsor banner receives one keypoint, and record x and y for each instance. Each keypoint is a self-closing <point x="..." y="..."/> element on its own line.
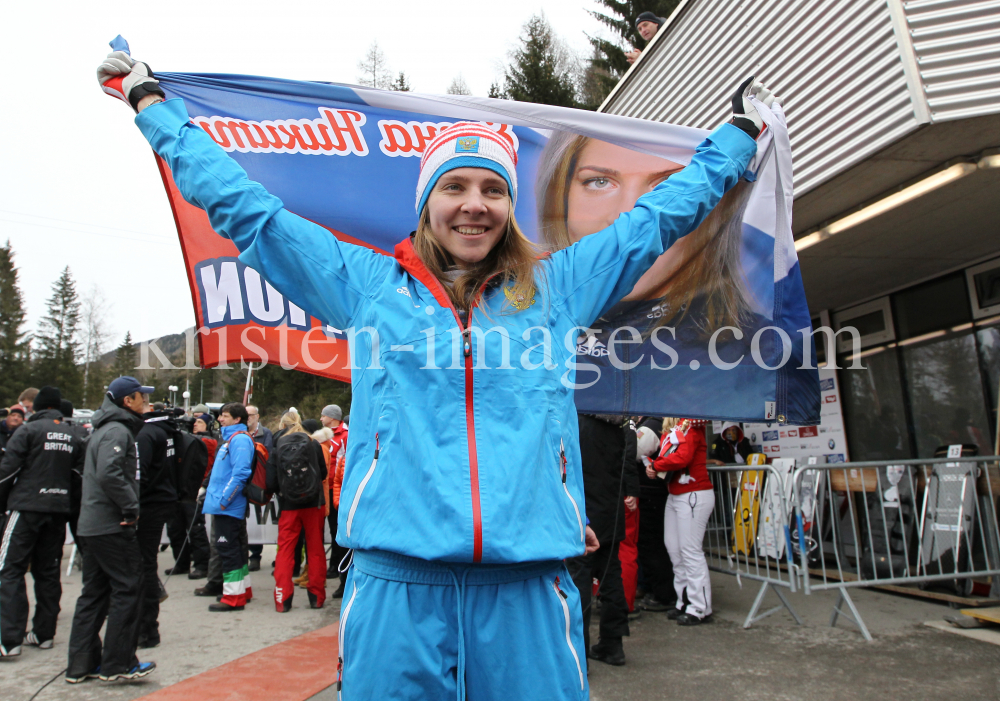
<point x="827" y="438"/>
<point x="715" y="334"/>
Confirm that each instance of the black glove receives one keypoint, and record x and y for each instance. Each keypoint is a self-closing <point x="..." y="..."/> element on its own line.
<point x="129" y="80"/>
<point x="745" y="115"/>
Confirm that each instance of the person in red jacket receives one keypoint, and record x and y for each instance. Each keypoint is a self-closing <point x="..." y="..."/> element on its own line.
<point x="682" y="459"/>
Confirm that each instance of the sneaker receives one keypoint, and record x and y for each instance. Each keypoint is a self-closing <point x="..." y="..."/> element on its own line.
<point x="142" y="669"/>
<point x="77" y="678"/>
<point x="610" y="652"/>
<point x="254" y="564"/>
<point x="197" y="574"/>
<point x="339" y="594"/>
<point x="673" y="614"/>
<point x="634" y="615"/>
<point x="148" y="641"/>
<point x="12" y="651"/>
<point x="32" y="639"/>
<point x="221" y="607"/>
<point x="651" y="603"/>
<point x="687" y="619"/>
<point x="208" y="590"/>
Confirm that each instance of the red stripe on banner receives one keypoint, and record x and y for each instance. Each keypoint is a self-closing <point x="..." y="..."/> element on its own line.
<point x="294" y="670"/>
<point x="309" y="351"/>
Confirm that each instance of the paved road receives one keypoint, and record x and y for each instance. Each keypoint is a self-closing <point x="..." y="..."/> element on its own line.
<point x="775" y="660"/>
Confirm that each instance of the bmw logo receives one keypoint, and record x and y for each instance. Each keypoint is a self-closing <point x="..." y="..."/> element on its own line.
<point x="831" y="443"/>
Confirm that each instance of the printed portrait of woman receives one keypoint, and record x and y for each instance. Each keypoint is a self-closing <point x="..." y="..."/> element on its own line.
<point x="584" y="184"/>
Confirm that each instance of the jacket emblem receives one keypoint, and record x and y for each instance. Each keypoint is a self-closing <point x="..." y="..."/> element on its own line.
<point x="518" y="301"/>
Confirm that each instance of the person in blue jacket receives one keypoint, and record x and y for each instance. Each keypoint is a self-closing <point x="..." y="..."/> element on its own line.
<point x="462" y="493"/>
<point x="225" y="501"/>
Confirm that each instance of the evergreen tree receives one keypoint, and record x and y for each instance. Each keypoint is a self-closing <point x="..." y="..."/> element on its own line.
<point x="610" y="64"/>
<point x="401" y="84"/>
<point x="125" y="362"/>
<point x="497" y="92"/>
<point x="275" y="389"/>
<point x="14" y="341"/>
<point x="541" y="68"/>
<point x="58" y="346"/>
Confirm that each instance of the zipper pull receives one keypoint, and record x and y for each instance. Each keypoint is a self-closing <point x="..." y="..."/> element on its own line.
<point x="467" y="342"/>
<point x="562" y="460"/>
<point x="560" y="591"/>
<point x="376" y="446"/>
<point x="340" y="672"/>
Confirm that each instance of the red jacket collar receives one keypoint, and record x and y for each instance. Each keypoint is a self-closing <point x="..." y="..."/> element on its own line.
<point x="411" y="263"/>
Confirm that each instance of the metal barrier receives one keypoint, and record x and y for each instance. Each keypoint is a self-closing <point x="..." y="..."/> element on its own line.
<point x="748" y="534"/>
<point x="929" y="522"/>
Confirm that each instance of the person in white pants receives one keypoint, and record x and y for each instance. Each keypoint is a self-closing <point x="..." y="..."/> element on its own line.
<point x="682" y="461"/>
<point x="684" y="522"/>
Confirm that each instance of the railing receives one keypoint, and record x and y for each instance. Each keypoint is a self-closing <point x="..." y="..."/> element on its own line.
<point x="748" y="533"/>
<point x="818" y="527"/>
<point x="896" y="522"/>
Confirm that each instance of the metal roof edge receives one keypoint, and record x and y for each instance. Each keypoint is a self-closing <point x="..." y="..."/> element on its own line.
<point x="651" y="47"/>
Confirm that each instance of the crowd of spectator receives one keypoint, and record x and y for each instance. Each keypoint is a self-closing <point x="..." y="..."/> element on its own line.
<point x="648" y="500"/>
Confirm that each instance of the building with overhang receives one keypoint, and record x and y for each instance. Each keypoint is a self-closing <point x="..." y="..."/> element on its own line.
<point x="893" y="111"/>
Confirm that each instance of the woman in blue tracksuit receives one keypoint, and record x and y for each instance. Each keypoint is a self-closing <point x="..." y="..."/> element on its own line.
<point x="462" y="494"/>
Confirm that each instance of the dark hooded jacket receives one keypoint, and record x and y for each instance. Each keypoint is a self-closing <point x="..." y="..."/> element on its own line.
<point x="726" y="452"/>
<point x="157" y="443"/>
<point x="111" y="472"/>
<point x="37" y="469"/>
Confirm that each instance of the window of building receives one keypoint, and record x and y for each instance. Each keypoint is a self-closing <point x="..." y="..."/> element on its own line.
<point x="874" y="411"/>
<point x="945" y="386"/>
<point x="932" y="306"/>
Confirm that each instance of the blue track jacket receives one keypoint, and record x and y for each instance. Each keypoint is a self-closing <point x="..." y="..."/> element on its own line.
<point x="230" y="472"/>
<point x="464" y="447"/>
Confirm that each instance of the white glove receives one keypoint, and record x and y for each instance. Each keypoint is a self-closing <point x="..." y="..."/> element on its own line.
<point x="129" y="80"/>
<point x="745" y="115"/>
<point x="646" y="462"/>
<point x="201" y="495"/>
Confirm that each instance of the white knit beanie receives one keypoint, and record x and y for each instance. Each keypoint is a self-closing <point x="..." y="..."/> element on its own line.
<point x="466" y="145"/>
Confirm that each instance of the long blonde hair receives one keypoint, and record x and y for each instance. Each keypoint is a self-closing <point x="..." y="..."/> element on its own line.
<point x="288" y="419"/>
<point x="295" y="427"/>
<point x="514" y="259"/>
<point x="711" y="273"/>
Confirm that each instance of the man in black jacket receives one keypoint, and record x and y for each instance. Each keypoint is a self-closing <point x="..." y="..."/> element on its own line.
<point x="36" y="478"/>
<point x="112" y="564"/>
<point x="607" y="479"/>
<point x="157" y="445"/>
<point x="66" y="407"/>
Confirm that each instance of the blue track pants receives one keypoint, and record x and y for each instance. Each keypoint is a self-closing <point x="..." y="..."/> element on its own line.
<point x="413" y="629"/>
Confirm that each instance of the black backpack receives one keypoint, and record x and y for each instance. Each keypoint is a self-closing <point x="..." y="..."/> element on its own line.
<point x="298" y="475"/>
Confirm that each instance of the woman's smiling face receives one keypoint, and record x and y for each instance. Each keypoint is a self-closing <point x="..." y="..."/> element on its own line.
<point x="608" y="181"/>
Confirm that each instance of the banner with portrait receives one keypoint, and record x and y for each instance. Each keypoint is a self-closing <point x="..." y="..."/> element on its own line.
<point x="718" y="327"/>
